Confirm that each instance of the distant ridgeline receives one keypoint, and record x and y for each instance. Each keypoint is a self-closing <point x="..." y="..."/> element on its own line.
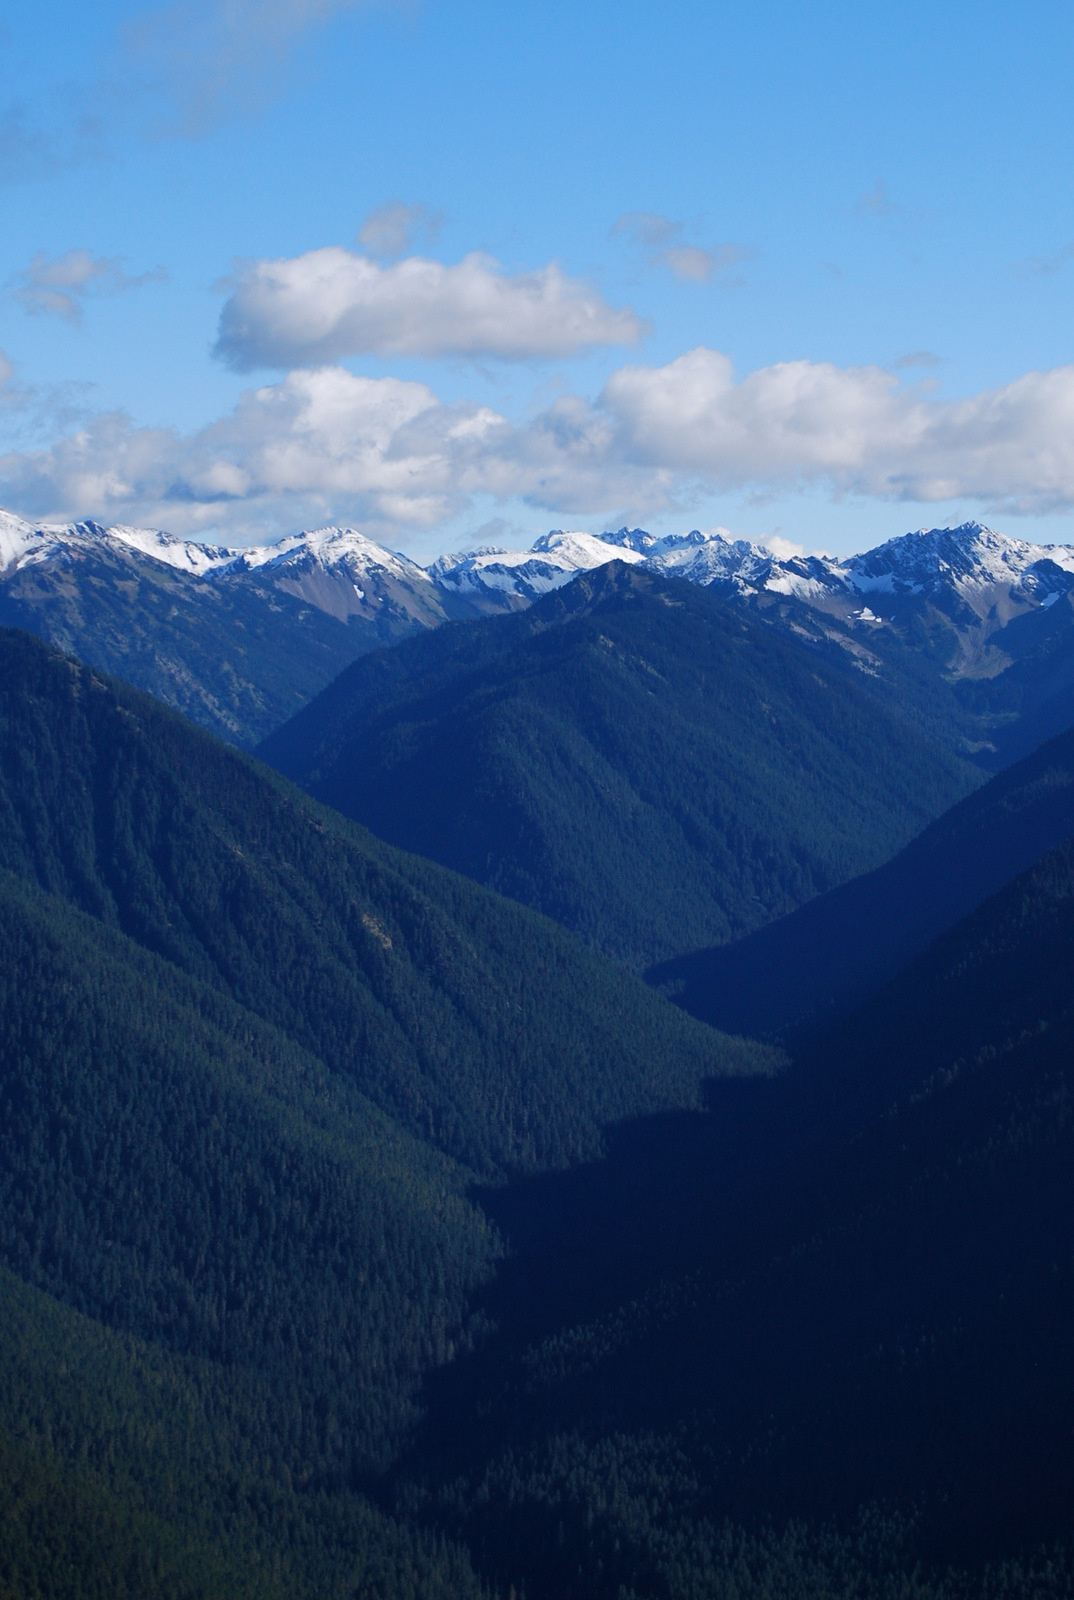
<point x="972" y="628"/>
<point x="654" y="767"/>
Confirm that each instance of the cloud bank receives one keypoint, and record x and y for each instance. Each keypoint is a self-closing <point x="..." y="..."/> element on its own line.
<point x="331" y="303"/>
<point x="389" y="454"/>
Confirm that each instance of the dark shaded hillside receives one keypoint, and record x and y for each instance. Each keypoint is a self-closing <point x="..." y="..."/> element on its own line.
<point x="238" y="657"/>
<point x="1032" y="699"/>
<point x="817" y="1341"/>
<point x="172" y="1167"/>
<point x="479" y="1026"/>
<point x="633" y="756"/>
<point x="242" y="1048"/>
<point x="845" y="944"/>
<point x="222" y="1275"/>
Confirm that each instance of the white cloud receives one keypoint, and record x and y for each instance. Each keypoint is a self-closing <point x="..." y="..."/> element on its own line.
<point x="57" y="287"/>
<point x="647" y="228"/>
<point x="391" y="229"/>
<point x="919" y="358"/>
<point x="689" y="262"/>
<point x="802" y="422"/>
<point x="783" y="549"/>
<point x="7" y="371"/>
<point x="318" y="307"/>
<point x="324" y="444"/>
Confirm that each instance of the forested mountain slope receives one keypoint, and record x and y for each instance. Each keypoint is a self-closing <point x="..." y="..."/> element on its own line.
<point x="236" y="639"/>
<point x="243" y="1047"/>
<point x="983" y="620"/>
<point x="633" y="756"/>
<point x="817" y="1341"/>
<point x="478" y="1025"/>
<point x="840" y="947"/>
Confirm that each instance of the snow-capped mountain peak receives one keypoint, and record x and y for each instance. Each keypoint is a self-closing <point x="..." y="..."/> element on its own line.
<point x="183" y="554"/>
<point x="331" y="547"/>
<point x="970" y="554"/>
<point x="496" y="578"/>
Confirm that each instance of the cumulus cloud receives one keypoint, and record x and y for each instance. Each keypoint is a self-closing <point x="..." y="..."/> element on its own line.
<point x="392" y="229"/>
<point x="329" y="303"/>
<point x="57" y="286"/>
<point x="783" y="549"/>
<point x="802" y="421"/>
<point x="662" y="240"/>
<point x="324" y="444"/>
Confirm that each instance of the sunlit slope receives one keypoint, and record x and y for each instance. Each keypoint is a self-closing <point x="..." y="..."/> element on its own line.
<point x="633" y="755"/>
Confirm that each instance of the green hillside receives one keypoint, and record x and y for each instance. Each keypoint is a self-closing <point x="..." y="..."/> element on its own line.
<point x="246" y="1055"/>
<point x="633" y="756"/>
<point x="223" y="1275"/>
<point x="842" y="946"/>
<point x="476" y="1024"/>
<point x="365" y="1236"/>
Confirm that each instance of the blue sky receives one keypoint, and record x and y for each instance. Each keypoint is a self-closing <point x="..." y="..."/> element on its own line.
<point x="859" y="223"/>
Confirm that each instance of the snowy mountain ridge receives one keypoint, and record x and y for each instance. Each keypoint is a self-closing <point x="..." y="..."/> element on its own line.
<point x="963" y="559"/>
<point x="970" y="580"/>
<point x="22" y="542"/>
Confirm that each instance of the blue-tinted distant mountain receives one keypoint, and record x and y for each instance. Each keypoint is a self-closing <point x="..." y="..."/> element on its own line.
<point x="979" y="624"/>
<point x="236" y="639"/>
<point x="989" y="618"/>
<point x="832" y="953"/>
<point x="633" y="755"/>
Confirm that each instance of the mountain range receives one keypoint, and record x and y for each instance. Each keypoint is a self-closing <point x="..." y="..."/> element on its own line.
<point x="365" y="1235"/>
<point x="252" y="1064"/>
<point x="633" y="755"/>
<point x="236" y="639"/>
<point x="240" y="639"/>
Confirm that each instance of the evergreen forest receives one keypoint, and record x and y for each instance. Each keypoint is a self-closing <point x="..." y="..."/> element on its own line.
<point x="368" y="1234"/>
<point x="650" y="765"/>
